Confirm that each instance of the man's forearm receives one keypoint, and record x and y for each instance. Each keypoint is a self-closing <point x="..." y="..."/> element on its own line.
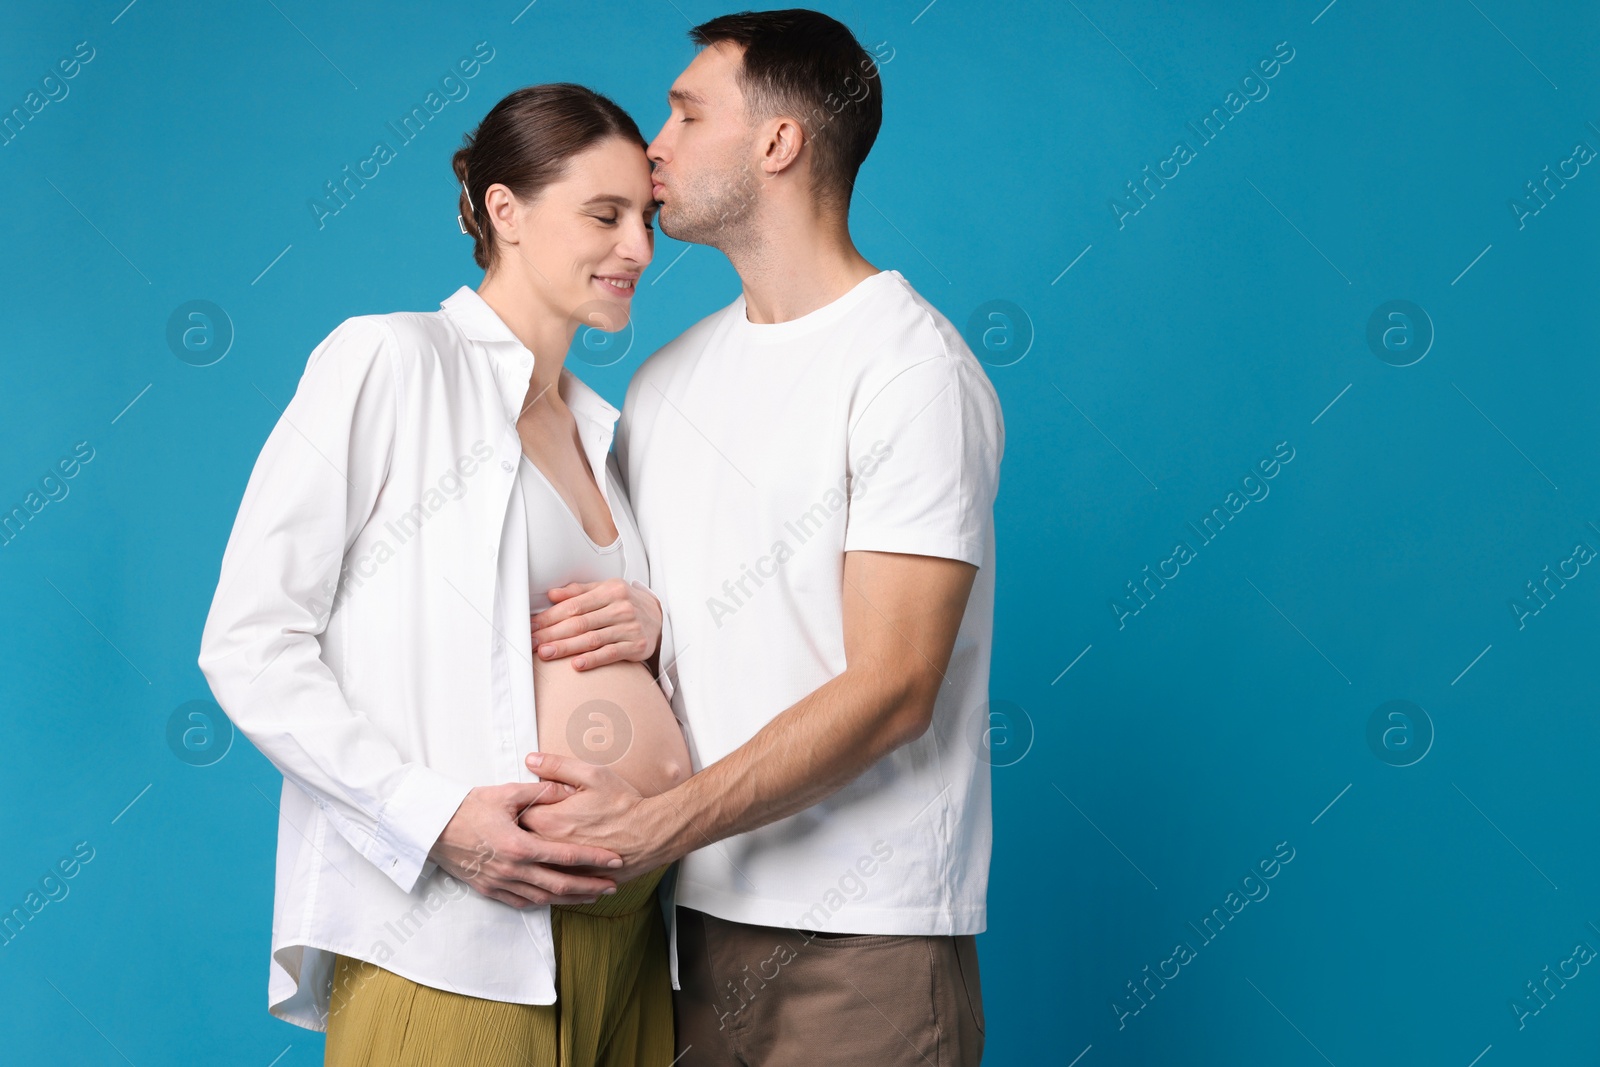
<point x="902" y="614"/>
<point x="808" y="752"/>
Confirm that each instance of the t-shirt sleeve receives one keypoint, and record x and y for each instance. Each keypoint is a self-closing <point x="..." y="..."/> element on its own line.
<point x="924" y="463"/>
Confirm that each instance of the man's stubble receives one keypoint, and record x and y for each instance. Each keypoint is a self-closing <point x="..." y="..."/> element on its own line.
<point x="716" y="210"/>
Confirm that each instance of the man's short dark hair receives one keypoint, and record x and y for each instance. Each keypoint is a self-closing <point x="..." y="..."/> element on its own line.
<point x="805" y="65"/>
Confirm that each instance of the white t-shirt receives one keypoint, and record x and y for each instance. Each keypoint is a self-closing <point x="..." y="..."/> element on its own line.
<point x="755" y="457"/>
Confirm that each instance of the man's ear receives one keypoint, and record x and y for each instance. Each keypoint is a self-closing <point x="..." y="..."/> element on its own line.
<point x="785" y="140"/>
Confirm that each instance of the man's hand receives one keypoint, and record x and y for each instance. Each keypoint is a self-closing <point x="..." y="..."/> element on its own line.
<point x="483" y="846"/>
<point x="607" y="621"/>
<point x="604" y="811"/>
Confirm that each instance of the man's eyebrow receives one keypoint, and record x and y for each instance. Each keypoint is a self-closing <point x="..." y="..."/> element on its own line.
<point x="684" y="96"/>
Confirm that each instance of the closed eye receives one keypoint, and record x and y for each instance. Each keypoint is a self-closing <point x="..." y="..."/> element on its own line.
<point x="612" y="220"/>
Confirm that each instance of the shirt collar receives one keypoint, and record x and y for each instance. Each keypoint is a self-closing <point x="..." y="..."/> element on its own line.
<point x="480" y="322"/>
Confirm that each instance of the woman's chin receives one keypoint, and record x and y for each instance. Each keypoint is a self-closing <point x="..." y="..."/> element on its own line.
<point x="605" y="315"/>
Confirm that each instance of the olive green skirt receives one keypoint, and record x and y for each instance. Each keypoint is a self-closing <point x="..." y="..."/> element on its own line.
<point x="613" y="1001"/>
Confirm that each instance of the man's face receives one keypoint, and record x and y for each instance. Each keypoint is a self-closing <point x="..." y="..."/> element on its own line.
<point x="704" y="156"/>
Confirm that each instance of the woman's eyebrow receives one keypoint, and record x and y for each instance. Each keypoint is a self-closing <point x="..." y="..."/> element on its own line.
<point x="608" y="198"/>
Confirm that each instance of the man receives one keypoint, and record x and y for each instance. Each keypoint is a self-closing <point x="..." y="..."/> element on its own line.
<point x="813" y="469"/>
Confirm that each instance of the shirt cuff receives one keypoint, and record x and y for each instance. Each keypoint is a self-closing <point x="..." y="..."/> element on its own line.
<point x="412" y="821"/>
<point x="913" y="542"/>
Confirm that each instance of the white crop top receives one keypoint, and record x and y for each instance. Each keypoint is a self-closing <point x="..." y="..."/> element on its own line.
<point x="559" y="549"/>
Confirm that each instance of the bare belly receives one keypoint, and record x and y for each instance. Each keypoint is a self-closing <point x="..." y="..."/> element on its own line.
<point x="614" y="716"/>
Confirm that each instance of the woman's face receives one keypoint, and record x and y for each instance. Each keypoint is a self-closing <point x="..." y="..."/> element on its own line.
<point x="589" y="236"/>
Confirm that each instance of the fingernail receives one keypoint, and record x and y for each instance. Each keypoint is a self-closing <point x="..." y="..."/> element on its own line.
<point x="615" y="863"/>
<point x="546" y="651"/>
<point x="535" y="759"/>
<point x="608" y="892"/>
<point x="578" y="663"/>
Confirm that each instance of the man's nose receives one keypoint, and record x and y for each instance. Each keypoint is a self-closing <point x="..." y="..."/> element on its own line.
<point x="656" y="151"/>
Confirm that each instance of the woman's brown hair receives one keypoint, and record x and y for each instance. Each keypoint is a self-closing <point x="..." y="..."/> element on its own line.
<point x="525" y="142"/>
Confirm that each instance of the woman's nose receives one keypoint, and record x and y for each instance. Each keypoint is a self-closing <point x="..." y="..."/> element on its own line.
<point x="637" y="245"/>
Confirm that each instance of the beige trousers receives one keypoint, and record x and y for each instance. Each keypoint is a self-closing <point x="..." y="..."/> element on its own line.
<point x="774" y="997"/>
<point x="613" y="1009"/>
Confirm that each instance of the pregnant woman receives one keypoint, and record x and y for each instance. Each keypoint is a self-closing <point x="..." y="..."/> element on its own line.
<point x="436" y="480"/>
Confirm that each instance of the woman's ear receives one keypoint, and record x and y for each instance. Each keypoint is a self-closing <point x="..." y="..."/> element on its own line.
<point x="503" y="210"/>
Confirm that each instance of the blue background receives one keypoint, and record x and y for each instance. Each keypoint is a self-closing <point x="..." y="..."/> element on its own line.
<point x="1185" y="742"/>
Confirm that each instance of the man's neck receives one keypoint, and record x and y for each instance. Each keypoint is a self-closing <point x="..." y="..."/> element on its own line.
<point x="793" y="275"/>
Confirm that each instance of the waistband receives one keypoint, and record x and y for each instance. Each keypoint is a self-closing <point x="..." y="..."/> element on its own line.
<point x="630" y="897"/>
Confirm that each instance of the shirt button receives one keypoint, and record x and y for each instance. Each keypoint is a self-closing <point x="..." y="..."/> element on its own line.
<point x="505" y="464"/>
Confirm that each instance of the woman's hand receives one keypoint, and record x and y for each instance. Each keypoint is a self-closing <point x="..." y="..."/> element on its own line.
<point x="604" y="621"/>
<point x="603" y="812"/>
<point x="484" y="846"/>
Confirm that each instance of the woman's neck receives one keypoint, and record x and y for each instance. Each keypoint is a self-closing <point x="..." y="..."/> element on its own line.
<point x="541" y="330"/>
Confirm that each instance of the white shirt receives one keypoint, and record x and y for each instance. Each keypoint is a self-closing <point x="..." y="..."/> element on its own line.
<point x="756" y="456"/>
<point x="389" y="488"/>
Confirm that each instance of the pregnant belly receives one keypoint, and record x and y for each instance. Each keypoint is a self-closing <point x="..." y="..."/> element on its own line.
<point x="614" y="716"/>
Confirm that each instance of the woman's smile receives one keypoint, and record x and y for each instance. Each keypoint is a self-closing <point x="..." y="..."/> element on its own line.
<point x="617" y="285"/>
